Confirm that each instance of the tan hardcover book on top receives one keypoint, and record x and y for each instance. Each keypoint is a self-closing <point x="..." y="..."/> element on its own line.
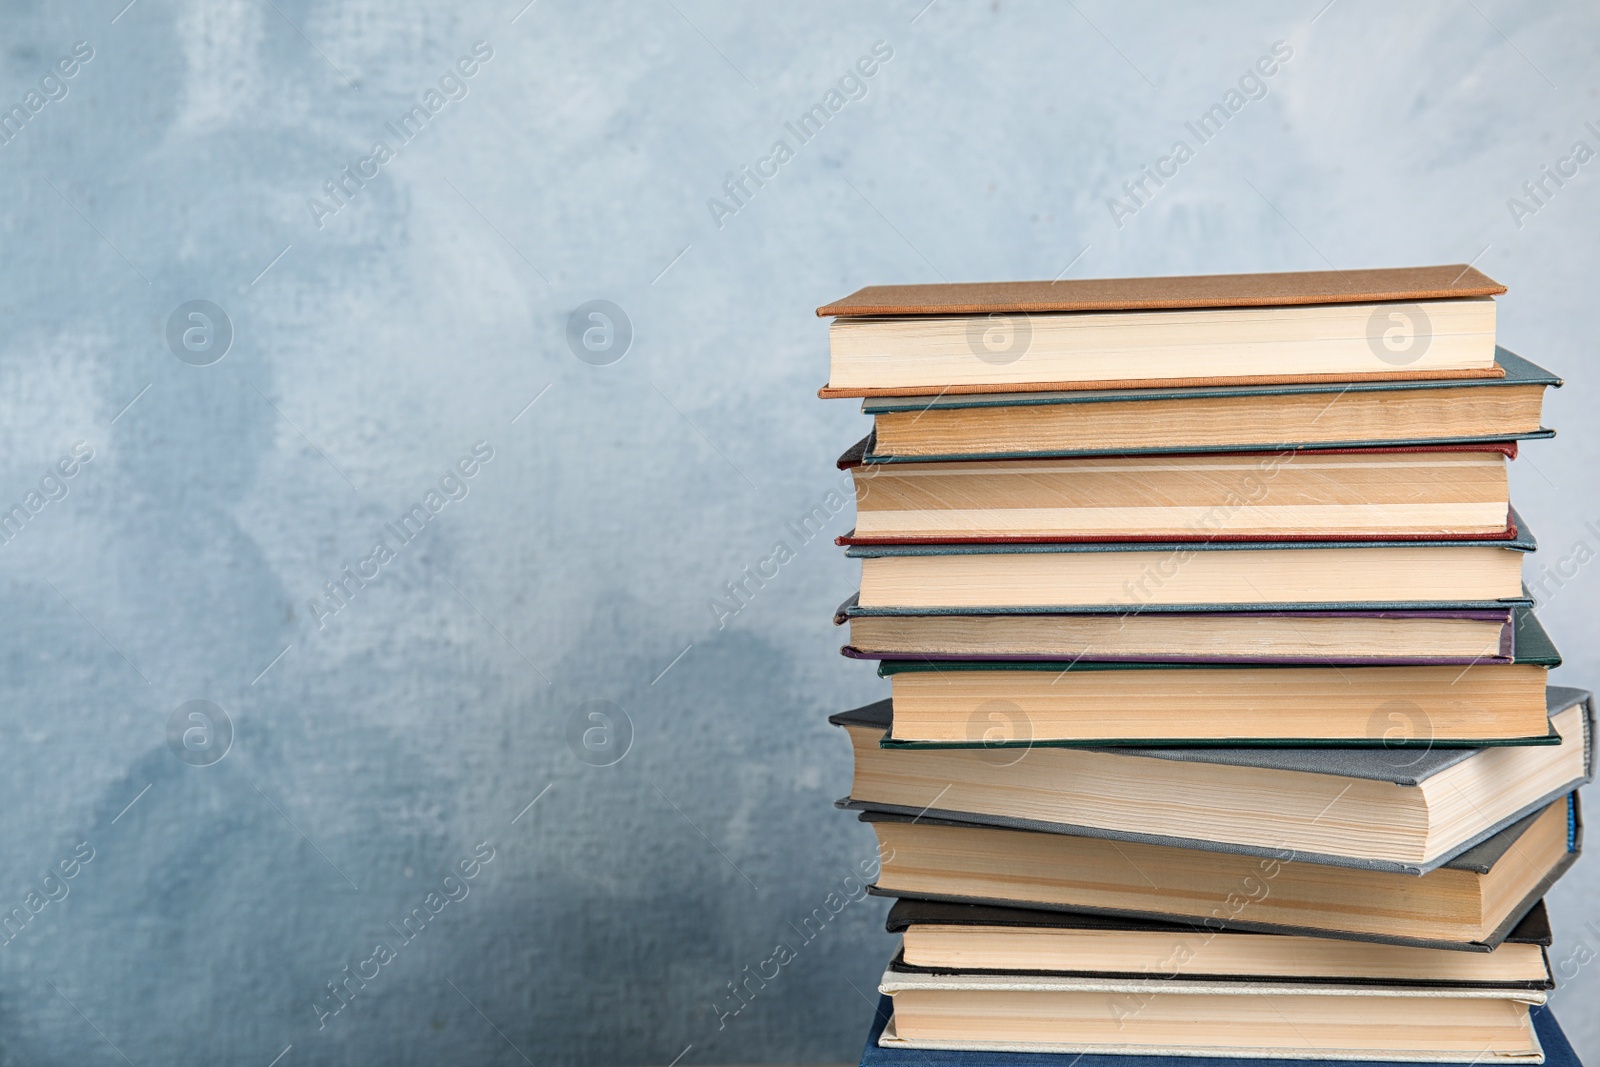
<point x="1359" y="325"/>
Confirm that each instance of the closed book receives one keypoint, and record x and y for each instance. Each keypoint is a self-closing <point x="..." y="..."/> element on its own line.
<point x="1272" y="418"/>
<point x="1130" y="577"/>
<point x="1346" y="638"/>
<point x="1416" y="322"/>
<point x="1019" y="704"/>
<point x="1557" y="1052"/>
<point x="1471" y="902"/>
<point x="1190" y="1016"/>
<point x="943" y="938"/>
<point x="1400" y="809"/>
<point x="1427" y="493"/>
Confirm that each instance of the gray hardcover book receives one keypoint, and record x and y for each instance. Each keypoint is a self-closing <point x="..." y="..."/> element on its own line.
<point x="1479" y="859"/>
<point x="1401" y="766"/>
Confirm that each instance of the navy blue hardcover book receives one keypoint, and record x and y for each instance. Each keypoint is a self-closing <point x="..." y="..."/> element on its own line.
<point x="1557" y="1053"/>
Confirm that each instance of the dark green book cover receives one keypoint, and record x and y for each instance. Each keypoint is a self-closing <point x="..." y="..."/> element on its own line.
<point x="1518" y="372"/>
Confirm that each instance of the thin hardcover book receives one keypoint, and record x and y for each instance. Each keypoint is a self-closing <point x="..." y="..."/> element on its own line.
<point x="1347" y="638"/>
<point x="1216" y="574"/>
<point x="942" y="938"/>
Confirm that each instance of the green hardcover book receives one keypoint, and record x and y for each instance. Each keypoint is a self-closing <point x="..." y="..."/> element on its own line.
<point x="1212" y="418"/>
<point x="1084" y="702"/>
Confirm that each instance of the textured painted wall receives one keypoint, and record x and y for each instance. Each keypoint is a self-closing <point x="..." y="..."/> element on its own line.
<point x="389" y="323"/>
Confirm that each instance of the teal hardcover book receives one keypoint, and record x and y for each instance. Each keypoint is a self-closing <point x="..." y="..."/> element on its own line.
<point x="1166" y="405"/>
<point x="1086" y="703"/>
<point x="1532" y="645"/>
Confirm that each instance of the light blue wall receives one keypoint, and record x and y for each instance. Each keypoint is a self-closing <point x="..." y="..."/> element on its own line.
<point x="375" y="345"/>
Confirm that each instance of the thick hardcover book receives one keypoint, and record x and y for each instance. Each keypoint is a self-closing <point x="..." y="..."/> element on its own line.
<point x="1270" y="777"/>
<point x="1510" y="845"/>
<point x="1557" y="1052"/>
<point x="1236" y="418"/>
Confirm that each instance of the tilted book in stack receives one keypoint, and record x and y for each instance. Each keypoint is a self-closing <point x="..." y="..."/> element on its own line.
<point x="1219" y="722"/>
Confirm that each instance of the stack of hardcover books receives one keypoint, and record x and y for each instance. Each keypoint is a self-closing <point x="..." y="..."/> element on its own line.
<point x="1220" y="724"/>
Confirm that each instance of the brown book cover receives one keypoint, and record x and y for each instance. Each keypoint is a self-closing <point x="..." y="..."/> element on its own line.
<point x="1156" y="294"/>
